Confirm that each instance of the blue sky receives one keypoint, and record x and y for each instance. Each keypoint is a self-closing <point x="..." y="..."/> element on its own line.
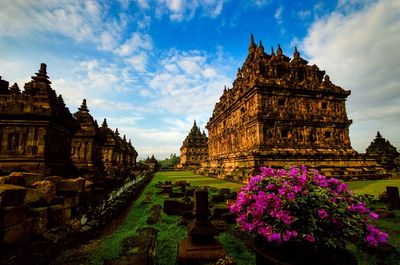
<point x="153" y="66"/>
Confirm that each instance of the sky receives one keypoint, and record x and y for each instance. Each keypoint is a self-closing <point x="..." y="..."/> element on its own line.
<point x="152" y="67"/>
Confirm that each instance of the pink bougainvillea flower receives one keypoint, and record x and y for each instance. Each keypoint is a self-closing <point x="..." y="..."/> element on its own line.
<point x="322" y="213"/>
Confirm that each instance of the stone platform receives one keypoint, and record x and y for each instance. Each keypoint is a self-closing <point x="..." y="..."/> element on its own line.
<point x="194" y="254"/>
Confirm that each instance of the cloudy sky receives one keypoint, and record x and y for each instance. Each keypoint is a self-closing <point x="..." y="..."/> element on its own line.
<point x="153" y="66"/>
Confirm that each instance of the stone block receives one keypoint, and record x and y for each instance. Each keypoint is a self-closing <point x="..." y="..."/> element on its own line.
<point x="155" y="214"/>
<point x="77" y="184"/>
<point x="24" y="178"/>
<point x="70" y="202"/>
<point x="11" y="195"/>
<point x="39" y="222"/>
<point x="3" y="180"/>
<point x="167" y="189"/>
<point x="12" y="215"/>
<point x="18" y="234"/>
<point x="47" y="189"/>
<point x="218" y="198"/>
<point x="55" y="215"/>
<point x="89" y="185"/>
<point x="54" y="179"/>
<point x="174" y="207"/>
<point x="67" y="213"/>
<point x="33" y="197"/>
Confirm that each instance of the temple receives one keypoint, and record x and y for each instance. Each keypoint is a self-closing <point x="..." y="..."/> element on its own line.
<point x="36" y="127"/>
<point x="38" y="133"/>
<point x="194" y="149"/>
<point x="383" y="152"/>
<point x="281" y="112"/>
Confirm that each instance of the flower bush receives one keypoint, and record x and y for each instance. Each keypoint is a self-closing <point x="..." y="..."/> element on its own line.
<point x="305" y="206"/>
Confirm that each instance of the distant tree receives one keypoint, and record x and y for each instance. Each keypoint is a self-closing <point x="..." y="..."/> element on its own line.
<point x="170" y="162"/>
<point x="383" y="152"/>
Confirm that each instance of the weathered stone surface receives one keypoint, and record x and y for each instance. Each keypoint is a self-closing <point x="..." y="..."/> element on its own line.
<point x="24" y="178"/>
<point x="174" y="206"/>
<point x="11" y="195"/>
<point x="155" y="214"/>
<point x="76" y="184"/>
<point x="55" y="215"/>
<point x="141" y="249"/>
<point x="46" y="188"/>
<point x="39" y="222"/>
<point x="191" y="253"/>
<point x="218" y="198"/>
<point x="383" y="213"/>
<point x="70" y="202"/>
<point x="54" y="179"/>
<point x="167" y="189"/>
<point x="33" y="196"/>
<point x="393" y="198"/>
<point x="18" y="234"/>
<point x="12" y="215"/>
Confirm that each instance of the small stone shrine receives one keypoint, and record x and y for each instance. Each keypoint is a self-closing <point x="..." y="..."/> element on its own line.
<point x="200" y="245"/>
<point x="383" y="152"/>
<point x="282" y="112"/>
<point x="194" y="149"/>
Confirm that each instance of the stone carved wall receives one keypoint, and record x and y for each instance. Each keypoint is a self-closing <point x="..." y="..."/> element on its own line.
<point x="281" y="111"/>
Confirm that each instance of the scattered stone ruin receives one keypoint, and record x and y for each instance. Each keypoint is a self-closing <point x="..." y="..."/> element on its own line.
<point x="281" y="112"/>
<point x="194" y="149"/>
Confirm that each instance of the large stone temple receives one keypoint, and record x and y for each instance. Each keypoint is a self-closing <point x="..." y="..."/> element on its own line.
<point x="281" y="112"/>
<point x="194" y="149"/>
<point x="38" y="133"/>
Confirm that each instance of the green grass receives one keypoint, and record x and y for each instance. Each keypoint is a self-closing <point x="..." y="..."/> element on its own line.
<point x="196" y="180"/>
<point x="372" y="187"/>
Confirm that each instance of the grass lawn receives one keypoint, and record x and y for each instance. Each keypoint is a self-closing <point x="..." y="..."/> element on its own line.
<point x="372" y="187"/>
<point x="196" y="180"/>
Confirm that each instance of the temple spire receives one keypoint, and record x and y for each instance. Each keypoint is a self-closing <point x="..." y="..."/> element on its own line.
<point x="41" y="76"/>
<point x="116" y="132"/>
<point x="279" y="50"/>
<point x="272" y="52"/>
<point x="83" y="106"/>
<point x="261" y="48"/>
<point x="252" y="45"/>
<point x="296" y="54"/>
<point x="14" y="89"/>
<point x="104" y="123"/>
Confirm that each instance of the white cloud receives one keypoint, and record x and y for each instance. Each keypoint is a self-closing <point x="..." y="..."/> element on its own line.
<point x="304" y="14"/>
<point x="137" y="42"/>
<point x="188" y="82"/>
<point x="258" y="3"/>
<point x="278" y="15"/>
<point x="138" y="62"/>
<point x="180" y="10"/>
<point x="359" y="50"/>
